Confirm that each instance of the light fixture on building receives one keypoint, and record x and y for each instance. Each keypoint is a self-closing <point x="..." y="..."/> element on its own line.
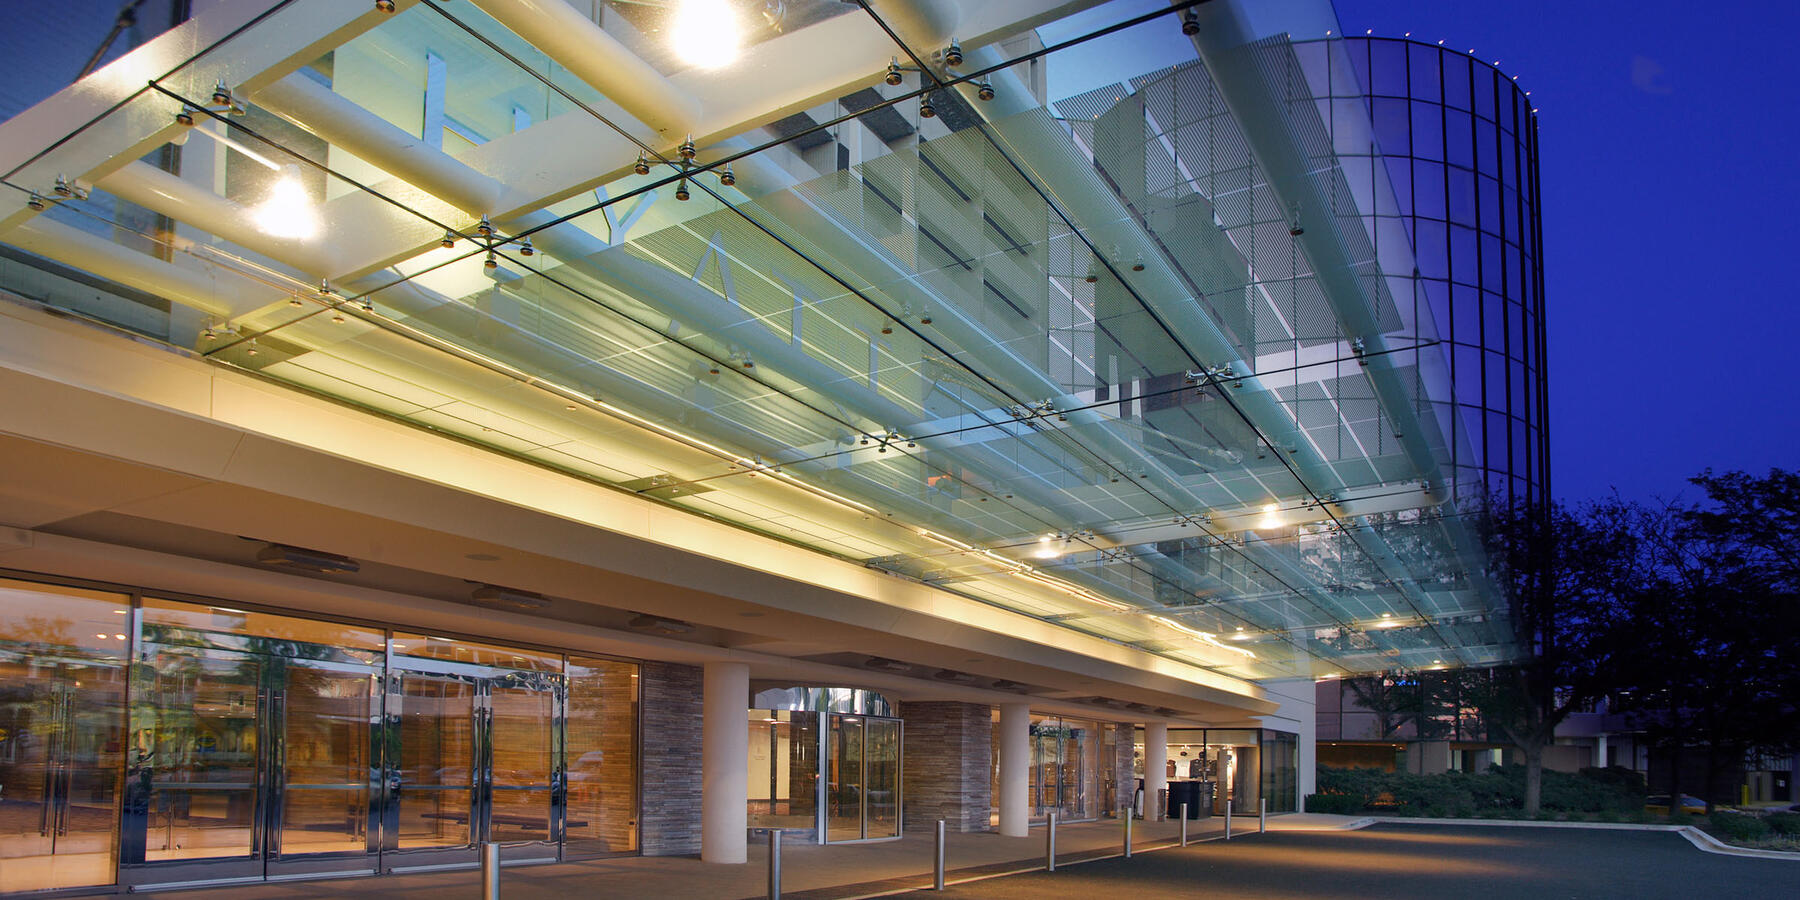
<point x="448" y="240"/>
<point x="984" y="91"/>
<point x="893" y="77"/>
<point x="513" y="597"/>
<point x="291" y="557"/>
<point x="886" y="665"/>
<point x="706" y="33"/>
<point x="185" y="115"/>
<point x="953" y="55"/>
<point x="36" y="202"/>
<point x="491" y="262"/>
<point x="1271" y="517"/>
<point x="386" y="6"/>
<point x="221" y="95"/>
<point x="525" y="248"/>
<point x="659" y="624"/>
<point x="687" y="150"/>
<point x="1190" y="26"/>
<point x="681" y="190"/>
<point x="728" y="178"/>
<point x="288" y="211"/>
<point x="643" y="165"/>
<point x="926" y="110"/>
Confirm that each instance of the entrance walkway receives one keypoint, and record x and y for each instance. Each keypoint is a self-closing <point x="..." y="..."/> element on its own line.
<point x="810" y="872"/>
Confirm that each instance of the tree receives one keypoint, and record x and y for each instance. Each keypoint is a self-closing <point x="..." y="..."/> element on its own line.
<point x="1394" y="702"/>
<point x="1564" y="572"/>
<point x="1712" y="666"/>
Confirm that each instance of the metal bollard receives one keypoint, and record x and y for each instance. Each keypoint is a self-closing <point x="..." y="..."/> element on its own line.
<point x="937" y="869"/>
<point x="1184" y="824"/>
<point x="1228" y="819"/>
<point x="1262" y="817"/>
<point x="1050" y="843"/>
<point x="774" y="864"/>
<point x="1127" y="834"/>
<point x="490" y="870"/>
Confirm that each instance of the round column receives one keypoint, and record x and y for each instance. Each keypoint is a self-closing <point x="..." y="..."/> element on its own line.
<point x="1015" y="768"/>
<point x="1156" y="767"/>
<point x="724" y="762"/>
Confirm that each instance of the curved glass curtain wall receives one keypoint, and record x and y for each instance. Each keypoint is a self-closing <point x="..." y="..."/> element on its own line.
<point x="1458" y="140"/>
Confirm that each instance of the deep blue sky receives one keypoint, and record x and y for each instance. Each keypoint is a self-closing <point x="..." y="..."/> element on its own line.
<point x="1670" y="158"/>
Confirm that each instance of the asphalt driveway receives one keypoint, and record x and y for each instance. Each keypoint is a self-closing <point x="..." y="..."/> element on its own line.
<point x="1402" y="861"/>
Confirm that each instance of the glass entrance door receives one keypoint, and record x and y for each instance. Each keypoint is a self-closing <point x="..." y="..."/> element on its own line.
<point x="863" y="768"/>
<point x="474" y="755"/>
<point x="63" y="656"/>
<point x="246" y="765"/>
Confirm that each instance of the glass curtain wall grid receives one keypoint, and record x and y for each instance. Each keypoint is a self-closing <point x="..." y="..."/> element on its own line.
<point x="1068" y="351"/>
<point x="147" y="741"/>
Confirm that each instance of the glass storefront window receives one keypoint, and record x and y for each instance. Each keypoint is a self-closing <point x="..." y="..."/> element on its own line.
<point x="62" y="714"/>
<point x="784" y="769"/>
<point x="602" y="748"/>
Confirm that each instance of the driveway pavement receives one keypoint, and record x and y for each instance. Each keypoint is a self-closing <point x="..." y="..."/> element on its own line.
<point x="1402" y="861"/>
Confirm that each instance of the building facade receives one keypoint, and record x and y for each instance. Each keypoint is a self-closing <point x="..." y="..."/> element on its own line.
<point x="566" y="426"/>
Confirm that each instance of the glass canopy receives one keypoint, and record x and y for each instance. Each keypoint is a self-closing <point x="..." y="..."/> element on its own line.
<point x="1024" y="300"/>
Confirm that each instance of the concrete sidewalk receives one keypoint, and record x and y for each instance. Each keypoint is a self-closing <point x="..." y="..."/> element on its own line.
<point x="809" y="871"/>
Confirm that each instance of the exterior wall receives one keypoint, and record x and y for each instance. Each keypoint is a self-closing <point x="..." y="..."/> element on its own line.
<point x="947" y="761"/>
<point x="1458" y="140"/>
<point x="1298" y="714"/>
<point x="669" y="825"/>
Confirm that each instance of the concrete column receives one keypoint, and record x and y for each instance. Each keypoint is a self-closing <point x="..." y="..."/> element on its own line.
<point x="1600" y="752"/>
<point x="1015" y="769"/>
<point x="1156" y="767"/>
<point x="725" y="762"/>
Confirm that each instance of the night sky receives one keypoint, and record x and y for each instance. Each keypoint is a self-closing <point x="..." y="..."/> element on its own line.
<point x="1670" y="142"/>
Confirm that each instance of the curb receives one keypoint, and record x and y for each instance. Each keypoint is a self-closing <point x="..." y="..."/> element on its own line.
<point x="1700" y="839"/>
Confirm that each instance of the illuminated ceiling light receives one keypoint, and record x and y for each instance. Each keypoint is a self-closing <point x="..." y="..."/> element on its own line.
<point x="706" y="33"/>
<point x="1049" y="547"/>
<point x="1271" y="517"/>
<point x="288" y="211"/>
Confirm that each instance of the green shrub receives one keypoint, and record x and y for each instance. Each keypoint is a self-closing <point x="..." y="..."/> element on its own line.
<point x="1783" y="823"/>
<point x="1334" y="804"/>
<point x="1496" y="792"/>
<point x="1738" y="827"/>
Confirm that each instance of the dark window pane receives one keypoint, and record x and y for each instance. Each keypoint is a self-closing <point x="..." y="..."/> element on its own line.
<point x="1428" y="243"/>
<point x="1493" y="266"/>
<point x="1459" y="141"/>
<point x="1490" y="204"/>
<point x="1517" y="346"/>
<point x="1487" y="148"/>
<point x="1399" y="170"/>
<point x="1424" y="71"/>
<point x="1467" y="302"/>
<point x="1509" y="162"/>
<point x="1388" y="60"/>
<point x="1482" y="91"/>
<point x="1493" y="323"/>
<point x="1468" y="376"/>
<point x="1456" y="80"/>
<point x="1428" y="130"/>
<point x="1496" y="441"/>
<point x="1428" y="189"/>
<point x="1462" y="196"/>
<point x="1437" y="296"/>
<point x="1391" y="127"/>
<point x="1507" y="90"/>
<point x="1464" y="255"/>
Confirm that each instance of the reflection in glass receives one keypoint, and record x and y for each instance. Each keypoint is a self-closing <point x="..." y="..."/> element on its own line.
<point x="784" y="769"/>
<point x="62" y="695"/>
<point x="437" y="742"/>
<point x="195" y="739"/>
<point x="523" y="744"/>
<point x="325" y="760"/>
<point x="601" y="723"/>
<point x="883" y="778"/>
<point x="844" y="818"/>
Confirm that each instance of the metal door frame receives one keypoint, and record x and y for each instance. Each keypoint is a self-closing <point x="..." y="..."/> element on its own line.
<point x="394" y="858"/>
